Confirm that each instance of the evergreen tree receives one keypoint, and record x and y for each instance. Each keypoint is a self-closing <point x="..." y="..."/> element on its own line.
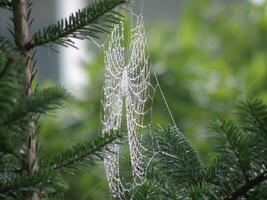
<point x="22" y="174"/>
<point x="238" y="171"/>
<point x="174" y="169"/>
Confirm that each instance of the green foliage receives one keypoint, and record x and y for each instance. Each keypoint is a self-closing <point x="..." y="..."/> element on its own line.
<point x="147" y="190"/>
<point x="87" y="23"/>
<point x="15" y="115"/>
<point x="81" y="155"/>
<point x="237" y="172"/>
<point x="10" y="80"/>
<point x="207" y="58"/>
<point x="206" y="62"/>
<point x="172" y="149"/>
<point x="40" y="102"/>
<point x="43" y="180"/>
<point x="232" y="145"/>
<point x="204" y="65"/>
<point x="5" y="45"/>
<point x="10" y="90"/>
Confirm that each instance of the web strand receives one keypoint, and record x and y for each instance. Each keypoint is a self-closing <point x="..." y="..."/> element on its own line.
<point x="126" y="82"/>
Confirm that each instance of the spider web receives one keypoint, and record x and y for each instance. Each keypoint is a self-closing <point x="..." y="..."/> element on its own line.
<point x="126" y="82"/>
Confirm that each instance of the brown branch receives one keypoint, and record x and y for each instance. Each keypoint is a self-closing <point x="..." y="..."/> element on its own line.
<point x="22" y="38"/>
<point x="246" y="186"/>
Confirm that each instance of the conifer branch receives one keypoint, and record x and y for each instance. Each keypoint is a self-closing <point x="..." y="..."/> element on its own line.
<point x="20" y="9"/>
<point x="145" y="191"/>
<point x="82" y="154"/>
<point x="246" y="186"/>
<point x="239" y="169"/>
<point x="5" y="4"/>
<point x="236" y="144"/>
<point x="21" y="176"/>
<point x="5" y="68"/>
<point x="87" y="23"/>
<point x="257" y="112"/>
<point x="39" y="103"/>
<point x="177" y="157"/>
<point x="25" y="182"/>
<point x="6" y="45"/>
<point x="11" y="76"/>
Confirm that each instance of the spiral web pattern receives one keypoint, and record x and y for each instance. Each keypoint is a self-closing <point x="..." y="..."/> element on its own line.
<point x="126" y="82"/>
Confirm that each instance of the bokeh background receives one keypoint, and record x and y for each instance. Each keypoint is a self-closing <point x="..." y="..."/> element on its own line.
<point x="207" y="54"/>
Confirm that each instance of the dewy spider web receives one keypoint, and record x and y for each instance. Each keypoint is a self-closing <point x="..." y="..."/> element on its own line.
<point x="126" y="82"/>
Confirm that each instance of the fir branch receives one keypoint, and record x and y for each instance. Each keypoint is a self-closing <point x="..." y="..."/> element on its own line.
<point x="239" y="169"/>
<point x="246" y="186"/>
<point x="87" y="23"/>
<point x="213" y="169"/>
<point x="235" y="142"/>
<point x="253" y="115"/>
<point x="5" y="68"/>
<point x="11" y="75"/>
<point x="6" y="45"/>
<point x="82" y="154"/>
<point x="39" y="103"/>
<point x="22" y="36"/>
<point x="166" y="190"/>
<point x="25" y="182"/>
<point x="203" y="191"/>
<point x="177" y="158"/>
<point x="14" y="123"/>
<point x="146" y="191"/>
<point x="5" y="4"/>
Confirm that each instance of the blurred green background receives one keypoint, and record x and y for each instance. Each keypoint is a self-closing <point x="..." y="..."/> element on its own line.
<point x="213" y="55"/>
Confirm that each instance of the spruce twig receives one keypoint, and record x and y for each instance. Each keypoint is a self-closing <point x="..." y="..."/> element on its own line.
<point x="246" y="186"/>
<point x="5" y="4"/>
<point x="82" y="154"/>
<point x="87" y="23"/>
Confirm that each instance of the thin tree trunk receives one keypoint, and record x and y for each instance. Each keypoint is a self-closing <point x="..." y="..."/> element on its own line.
<point x="22" y="38"/>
